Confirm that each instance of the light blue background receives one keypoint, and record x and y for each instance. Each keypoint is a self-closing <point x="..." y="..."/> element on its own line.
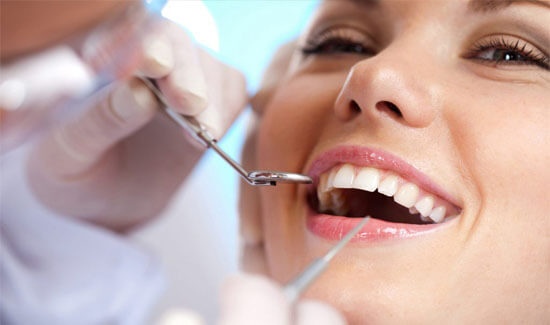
<point x="250" y="33"/>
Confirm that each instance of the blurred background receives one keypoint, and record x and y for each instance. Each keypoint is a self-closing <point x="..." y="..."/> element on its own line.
<point x="196" y="238"/>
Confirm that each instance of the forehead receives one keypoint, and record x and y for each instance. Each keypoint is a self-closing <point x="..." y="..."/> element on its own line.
<point x="401" y="13"/>
<point x="473" y="5"/>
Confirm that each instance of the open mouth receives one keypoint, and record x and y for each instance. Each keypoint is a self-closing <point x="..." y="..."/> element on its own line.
<point x="353" y="192"/>
<point x="353" y="182"/>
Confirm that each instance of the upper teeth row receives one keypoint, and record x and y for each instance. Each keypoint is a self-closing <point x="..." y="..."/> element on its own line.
<point x="370" y="179"/>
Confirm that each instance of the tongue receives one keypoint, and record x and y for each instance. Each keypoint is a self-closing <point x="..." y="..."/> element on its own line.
<point x="362" y="203"/>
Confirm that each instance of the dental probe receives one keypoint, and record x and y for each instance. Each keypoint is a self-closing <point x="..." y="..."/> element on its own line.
<point x="199" y="132"/>
<point x="294" y="289"/>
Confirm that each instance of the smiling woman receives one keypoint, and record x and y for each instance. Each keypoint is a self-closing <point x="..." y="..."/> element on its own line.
<point x="432" y="117"/>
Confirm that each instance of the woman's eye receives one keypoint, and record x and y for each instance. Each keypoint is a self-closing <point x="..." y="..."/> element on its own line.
<point x="503" y="51"/>
<point x="502" y="55"/>
<point x="338" y="40"/>
<point x="336" y="45"/>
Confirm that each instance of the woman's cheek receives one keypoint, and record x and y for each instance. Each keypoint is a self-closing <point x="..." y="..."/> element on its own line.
<point x="294" y="119"/>
<point x="289" y="130"/>
<point x="506" y="149"/>
<point x="503" y="142"/>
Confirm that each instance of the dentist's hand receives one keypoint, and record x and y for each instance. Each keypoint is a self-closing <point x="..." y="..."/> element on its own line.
<point x="119" y="163"/>
<point x="251" y="300"/>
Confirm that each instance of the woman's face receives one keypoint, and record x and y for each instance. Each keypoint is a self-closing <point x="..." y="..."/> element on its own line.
<point x="443" y="106"/>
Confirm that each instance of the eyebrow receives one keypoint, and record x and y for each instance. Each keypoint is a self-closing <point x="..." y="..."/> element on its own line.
<point x="495" y="5"/>
<point x="473" y="5"/>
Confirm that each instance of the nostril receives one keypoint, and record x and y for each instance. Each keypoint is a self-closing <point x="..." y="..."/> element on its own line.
<point x="394" y="109"/>
<point x="385" y="105"/>
<point x="354" y="107"/>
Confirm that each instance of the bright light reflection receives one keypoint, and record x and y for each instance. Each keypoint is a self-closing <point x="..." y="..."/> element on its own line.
<point x="194" y="16"/>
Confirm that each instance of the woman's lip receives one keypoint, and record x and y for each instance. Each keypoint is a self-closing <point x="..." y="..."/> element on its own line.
<point x="333" y="228"/>
<point x="365" y="156"/>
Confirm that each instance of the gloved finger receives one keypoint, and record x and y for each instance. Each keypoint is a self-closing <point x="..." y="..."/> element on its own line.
<point x="158" y="58"/>
<point x="179" y="316"/>
<point x="184" y="87"/>
<point x="75" y="147"/>
<point x="310" y="312"/>
<point x="227" y="95"/>
<point x="251" y="300"/>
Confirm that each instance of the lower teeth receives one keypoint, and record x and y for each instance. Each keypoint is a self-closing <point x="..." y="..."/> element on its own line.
<point x="335" y="202"/>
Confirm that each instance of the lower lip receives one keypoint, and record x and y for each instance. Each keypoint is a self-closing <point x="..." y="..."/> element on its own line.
<point x="335" y="227"/>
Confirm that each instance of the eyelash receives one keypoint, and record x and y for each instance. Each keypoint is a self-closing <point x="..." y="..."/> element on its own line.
<point x="337" y="41"/>
<point x="529" y="55"/>
<point x="332" y="43"/>
<point x="341" y="45"/>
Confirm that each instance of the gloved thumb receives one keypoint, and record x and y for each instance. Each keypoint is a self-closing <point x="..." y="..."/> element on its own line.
<point x="311" y="312"/>
<point x="76" y="146"/>
<point x="251" y="299"/>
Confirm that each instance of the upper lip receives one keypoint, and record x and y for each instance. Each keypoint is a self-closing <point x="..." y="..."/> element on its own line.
<point x="370" y="157"/>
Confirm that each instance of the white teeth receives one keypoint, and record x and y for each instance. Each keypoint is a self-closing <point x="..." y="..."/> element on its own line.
<point x="322" y="193"/>
<point x="337" y="198"/>
<point x="425" y="205"/>
<point x="322" y="187"/>
<point x="388" y="186"/>
<point x="338" y="203"/>
<point x="438" y="214"/>
<point x="367" y="179"/>
<point x="425" y="219"/>
<point x="325" y="183"/>
<point x="330" y="179"/>
<point x="407" y="194"/>
<point x="344" y="177"/>
<point x="333" y="200"/>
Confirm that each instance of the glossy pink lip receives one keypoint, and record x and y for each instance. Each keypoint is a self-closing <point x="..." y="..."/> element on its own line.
<point x="335" y="227"/>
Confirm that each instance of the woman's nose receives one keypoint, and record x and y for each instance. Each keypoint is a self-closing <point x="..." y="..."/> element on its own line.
<point x="389" y="85"/>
